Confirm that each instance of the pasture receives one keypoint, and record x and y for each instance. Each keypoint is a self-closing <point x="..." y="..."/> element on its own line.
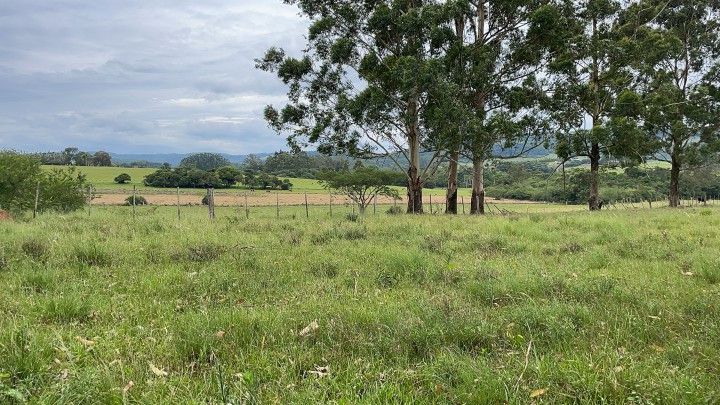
<point x="548" y="307"/>
<point x="102" y="179"/>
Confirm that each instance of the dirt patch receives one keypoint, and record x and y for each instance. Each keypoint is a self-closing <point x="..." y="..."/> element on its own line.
<point x="5" y="216"/>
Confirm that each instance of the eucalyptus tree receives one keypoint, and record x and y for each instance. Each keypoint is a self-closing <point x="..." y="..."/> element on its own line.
<point x="362" y="83"/>
<point x="680" y="81"/>
<point x="494" y="63"/>
<point x="595" y="71"/>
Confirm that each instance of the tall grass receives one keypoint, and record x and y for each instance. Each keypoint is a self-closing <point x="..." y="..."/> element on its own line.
<point x="610" y="307"/>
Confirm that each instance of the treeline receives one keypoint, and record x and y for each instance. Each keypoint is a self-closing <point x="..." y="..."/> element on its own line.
<point x="529" y="182"/>
<point x="300" y="164"/>
<point x="430" y="83"/>
<point x="208" y="170"/>
<point x="74" y="157"/>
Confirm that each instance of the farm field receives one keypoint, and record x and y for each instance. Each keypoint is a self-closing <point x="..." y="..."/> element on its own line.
<point x="547" y="307"/>
<point x="111" y="193"/>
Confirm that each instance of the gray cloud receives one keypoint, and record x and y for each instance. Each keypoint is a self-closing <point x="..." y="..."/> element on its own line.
<point x="140" y="76"/>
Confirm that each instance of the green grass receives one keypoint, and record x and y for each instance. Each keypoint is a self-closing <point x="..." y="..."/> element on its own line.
<point x="103" y="180"/>
<point x="612" y="307"/>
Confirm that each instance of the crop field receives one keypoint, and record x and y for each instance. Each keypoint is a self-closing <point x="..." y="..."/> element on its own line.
<point x="546" y="307"/>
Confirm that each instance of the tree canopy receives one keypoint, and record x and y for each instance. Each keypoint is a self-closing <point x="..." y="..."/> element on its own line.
<point x="362" y="185"/>
<point x="205" y="161"/>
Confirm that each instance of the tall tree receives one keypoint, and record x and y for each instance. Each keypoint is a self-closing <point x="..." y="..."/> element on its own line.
<point x="361" y="86"/>
<point x="101" y="158"/>
<point x="594" y="69"/>
<point x="494" y="58"/>
<point x="681" y="81"/>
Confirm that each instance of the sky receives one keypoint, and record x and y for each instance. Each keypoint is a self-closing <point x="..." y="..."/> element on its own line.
<point x="141" y="76"/>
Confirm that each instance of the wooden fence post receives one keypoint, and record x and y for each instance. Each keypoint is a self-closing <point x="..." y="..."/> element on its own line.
<point x="211" y="203"/>
<point x="375" y="205"/>
<point x="307" y="212"/>
<point x="247" y="208"/>
<point x="37" y="199"/>
<point x="462" y="201"/>
<point x="277" y="205"/>
<point x="331" y="205"/>
<point x="431" y="206"/>
<point x="178" y="203"/>
<point x="134" y="199"/>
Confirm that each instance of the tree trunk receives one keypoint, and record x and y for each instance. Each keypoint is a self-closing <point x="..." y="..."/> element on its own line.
<point x="477" y="201"/>
<point x="674" y="182"/>
<point x="414" y="192"/>
<point x="415" y="184"/>
<point x="451" y="198"/>
<point x="594" y="201"/>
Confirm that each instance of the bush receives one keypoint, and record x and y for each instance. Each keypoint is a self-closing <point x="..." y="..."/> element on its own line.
<point x="122" y="178"/>
<point x="139" y="200"/>
<point x="60" y="190"/>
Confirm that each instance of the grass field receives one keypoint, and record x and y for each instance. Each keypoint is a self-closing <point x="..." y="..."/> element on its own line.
<point x="610" y="307"/>
<point x="102" y="178"/>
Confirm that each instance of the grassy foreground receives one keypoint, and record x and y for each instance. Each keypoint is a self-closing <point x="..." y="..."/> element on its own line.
<point x="616" y="307"/>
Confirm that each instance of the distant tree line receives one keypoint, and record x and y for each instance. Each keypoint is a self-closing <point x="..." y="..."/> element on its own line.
<point x="74" y="157"/>
<point x="210" y="170"/>
<point x="299" y="164"/>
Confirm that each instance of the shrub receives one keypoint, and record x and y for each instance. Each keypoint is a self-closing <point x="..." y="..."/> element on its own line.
<point x="139" y="200"/>
<point x="352" y="217"/>
<point x="122" y="178"/>
<point x="60" y="190"/>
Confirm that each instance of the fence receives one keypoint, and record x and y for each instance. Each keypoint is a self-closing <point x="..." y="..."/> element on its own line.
<point x="339" y="206"/>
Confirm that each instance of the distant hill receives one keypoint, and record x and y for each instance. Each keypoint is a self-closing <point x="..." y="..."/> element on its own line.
<point x="172" y="158"/>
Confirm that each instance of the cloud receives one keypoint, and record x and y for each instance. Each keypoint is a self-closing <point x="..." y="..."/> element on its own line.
<point x="140" y="76"/>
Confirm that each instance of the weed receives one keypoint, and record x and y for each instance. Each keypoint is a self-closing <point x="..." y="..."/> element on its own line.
<point x="92" y="255"/>
<point x="66" y="309"/>
<point x="201" y="252"/>
<point x="36" y="249"/>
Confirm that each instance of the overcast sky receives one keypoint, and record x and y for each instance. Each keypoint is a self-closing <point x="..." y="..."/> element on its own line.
<point x="141" y="76"/>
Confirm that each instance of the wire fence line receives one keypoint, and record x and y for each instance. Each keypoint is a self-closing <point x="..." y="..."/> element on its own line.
<point x="341" y="205"/>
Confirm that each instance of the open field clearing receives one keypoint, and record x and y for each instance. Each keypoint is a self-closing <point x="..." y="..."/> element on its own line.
<point x="616" y="307"/>
<point x="102" y="179"/>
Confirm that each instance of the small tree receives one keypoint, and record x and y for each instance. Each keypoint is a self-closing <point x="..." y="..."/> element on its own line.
<point x="60" y="190"/>
<point x="361" y="185"/>
<point x="229" y="175"/>
<point x="122" y="178"/>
